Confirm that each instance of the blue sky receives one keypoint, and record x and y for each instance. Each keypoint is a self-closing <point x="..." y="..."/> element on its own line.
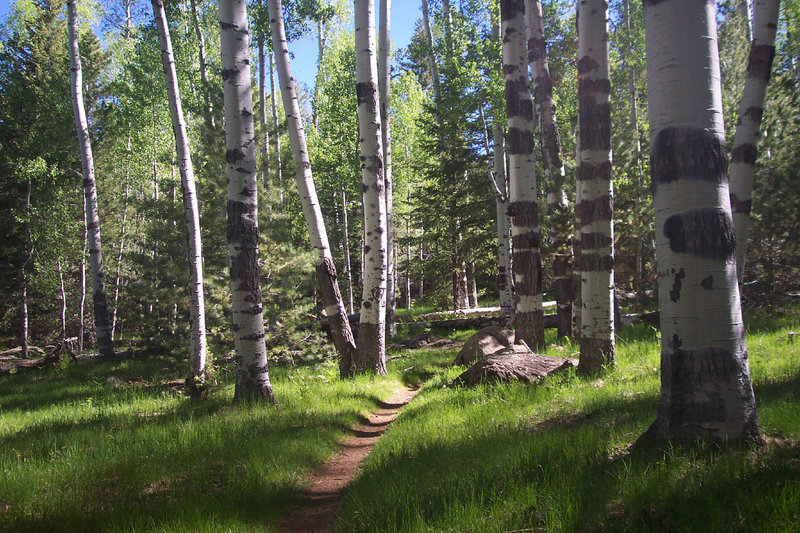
<point x="304" y="66"/>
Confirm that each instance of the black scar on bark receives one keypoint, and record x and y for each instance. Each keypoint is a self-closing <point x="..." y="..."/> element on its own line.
<point x="707" y="283"/>
<point x="527" y="267"/>
<point x="227" y="26"/>
<point x="228" y="73"/>
<point x="759" y="62"/>
<point x="367" y="304"/>
<point x="740" y="206"/>
<point x="525" y="241"/>
<point x="234" y="155"/>
<point x="754" y="113"/>
<point x="601" y="208"/>
<point x="595" y="125"/>
<point x="595" y="240"/>
<point x="511" y="8"/>
<point x="688" y="152"/>
<point x="590" y="262"/>
<point x="586" y="64"/>
<point x="593" y="171"/>
<point x="536" y="49"/>
<point x="745" y="153"/>
<point x="676" y="342"/>
<point x="518" y="101"/>
<point x="520" y="142"/>
<point x="706" y="233"/>
<point x="675" y="293"/>
<point x="525" y="213"/>
<point x="365" y="93"/>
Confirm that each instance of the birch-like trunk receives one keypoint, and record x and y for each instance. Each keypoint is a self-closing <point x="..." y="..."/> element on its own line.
<point x="522" y="207"/>
<point x="371" y="353"/>
<point x="434" y="66"/>
<point x="554" y="173"/>
<point x="101" y="323"/>
<point x="594" y="181"/>
<point x="123" y="227"/>
<point x="201" y="50"/>
<point x="744" y="153"/>
<point x="262" y="115"/>
<point x="63" y="294"/>
<point x="384" y="87"/>
<point x="191" y="212"/>
<point x="252" y="375"/>
<point x="706" y="393"/>
<point x="84" y="251"/>
<point x="276" y="132"/>
<point x="346" y="244"/>
<point x="325" y="269"/>
<point x="23" y="279"/>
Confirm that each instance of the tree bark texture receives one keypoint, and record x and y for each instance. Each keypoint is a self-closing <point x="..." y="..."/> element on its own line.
<point x="522" y="207"/>
<point x="371" y="354"/>
<point x="325" y="269"/>
<point x="384" y="88"/>
<point x="706" y="392"/>
<point x="101" y="323"/>
<point x="252" y="374"/>
<point x="201" y="47"/>
<point x="23" y="279"/>
<point x="84" y="251"/>
<point x="191" y="212"/>
<point x="434" y="66"/>
<point x="262" y="115"/>
<point x="557" y="204"/>
<point x="594" y="180"/>
<point x="744" y="153"/>
<point x="275" y="126"/>
<point x="346" y="245"/>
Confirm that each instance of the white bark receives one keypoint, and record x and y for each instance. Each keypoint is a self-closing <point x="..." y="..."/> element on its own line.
<point x="346" y="245"/>
<point x="384" y="86"/>
<point x="101" y="322"/>
<point x="426" y="23"/>
<point x="206" y="87"/>
<point x="262" y="115"/>
<point x="191" y="213"/>
<point x="326" y="271"/>
<point x="274" y="107"/>
<point x="705" y="380"/>
<point x="252" y="377"/>
<point x="84" y="251"/>
<point x="744" y="153"/>
<point x="63" y="301"/>
<point x="523" y="207"/>
<point x="371" y="355"/>
<point x="594" y="181"/>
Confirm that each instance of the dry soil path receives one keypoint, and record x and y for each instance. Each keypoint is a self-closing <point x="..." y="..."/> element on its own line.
<point x="319" y="507"/>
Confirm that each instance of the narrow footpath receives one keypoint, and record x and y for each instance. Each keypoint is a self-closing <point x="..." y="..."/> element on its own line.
<point x="319" y="507"/>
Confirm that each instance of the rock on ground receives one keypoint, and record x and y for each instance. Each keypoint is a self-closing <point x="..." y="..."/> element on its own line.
<point x="516" y="363"/>
<point x="485" y="342"/>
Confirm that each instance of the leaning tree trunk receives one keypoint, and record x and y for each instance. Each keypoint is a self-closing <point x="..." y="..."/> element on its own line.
<point x="276" y="132"/>
<point x="594" y="180"/>
<point x="384" y="85"/>
<point x="201" y="50"/>
<point x="743" y="156"/>
<point x="557" y="204"/>
<point x="523" y="207"/>
<point x="371" y="354"/>
<point x="191" y="213"/>
<point x="101" y="323"/>
<point x="252" y="375"/>
<point x="706" y="392"/>
<point x="325" y="269"/>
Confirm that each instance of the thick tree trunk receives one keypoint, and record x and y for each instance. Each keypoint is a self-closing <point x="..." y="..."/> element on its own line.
<point x="523" y="207"/>
<point x="101" y="322"/>
<point x="557" y="204"/>
<point x="191" y="213"/>
<point x="252" y="376"/>
<point x="744" y="153"/>
<point x="706" y="392"/>
<point x="201" y="47"/>
<point x="371" y="353"/>
<point x="262" y="115"/>
<point x="594" y="181"/>
<point x="384" y="86"/>
<point x="276" y="132"/>
<point x="325" y="270"/>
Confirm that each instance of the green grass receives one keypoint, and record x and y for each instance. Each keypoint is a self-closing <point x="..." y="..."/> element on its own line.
<point x="79" y="454"/>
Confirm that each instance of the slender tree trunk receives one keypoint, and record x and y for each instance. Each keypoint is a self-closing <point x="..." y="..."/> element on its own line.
<point x="82" y="307"/>
<point x="522" y="207"/>
<point x="262" y="93"/>
<point x="472" y="285"/>
<point x="744" y="8"/>
<point x="191" y="213"/>
<point x="384" y="85"/>
<point x="346" y="242"/>
<point x="23" y="279"/>
<point x="408" y="257"/>
<point x="706" y="393"/>
<point x="275" y="125"/>
<point x="743" y="156"/>
<point x="252" y="375"/>
<point x="201" y="47"/>
<point x="63" y="301"/>
<point x="101" y="322"/>
<point x="371" y="354"/>
<point x="434" y="66"/>
<point x="325" y="269"/>
<point x="557" y="204"/>
<point x="122" y="229"/>
<point x="594" y="180"/>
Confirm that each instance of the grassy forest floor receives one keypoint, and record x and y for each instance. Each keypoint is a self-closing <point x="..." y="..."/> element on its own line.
<point x="114" y="446"/>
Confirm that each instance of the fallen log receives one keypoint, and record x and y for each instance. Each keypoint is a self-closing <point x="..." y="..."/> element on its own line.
<point x="19" y="366"/>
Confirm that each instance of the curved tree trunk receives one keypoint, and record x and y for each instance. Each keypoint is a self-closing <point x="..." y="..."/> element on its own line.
<point x="371" y="354"/>
<point x="744" y="153"/>
<point x="554" y="173"/>
<point x="325" y="269"/>
<point x="522" y="206"/>
<point x="252" y="375"/>
<point x="101" y="323"/>
<point x="191" y="213"/>
<point x="706" y="392"/>
<point x="384" y="86"/>
<point x="594" y="181"/>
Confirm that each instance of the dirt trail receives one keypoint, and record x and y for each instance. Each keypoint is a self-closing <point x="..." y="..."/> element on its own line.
<point x="320" y="504"/>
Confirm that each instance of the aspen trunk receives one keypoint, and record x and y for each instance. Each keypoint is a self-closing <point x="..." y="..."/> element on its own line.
<point x="371" y="353"/>
<point x="191" y="213"/>
<point x="346" y="243"/>
<point x="594" y="181"/>
<point x="706" y="393"/>
<point x="122" y="229"/>
<point x="744" y="153"/>
<point x="262" y="115"/>
<point x="325" y="269"/>
<point x="101" y="322"/>
<point x="201" y="46"/>
<point x="522" y="207"/>
<point x="63" y="301"/>
<point x="275" y="125"/>
<point x="384" y="86"/>
<point x="554" y="173"/>
<point x="23" y="280"/>
<point x="82" y="305"/>
<point x="434" y="66"/>
<point x="252" y="375"/>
